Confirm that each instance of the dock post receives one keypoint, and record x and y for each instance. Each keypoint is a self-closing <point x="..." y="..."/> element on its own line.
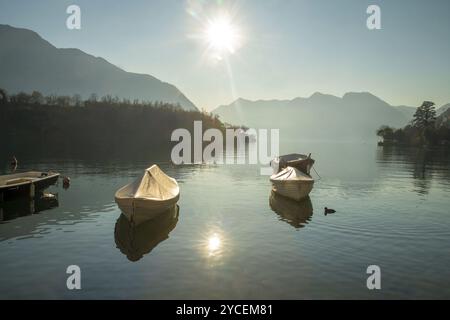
<point x="32" y="190"/>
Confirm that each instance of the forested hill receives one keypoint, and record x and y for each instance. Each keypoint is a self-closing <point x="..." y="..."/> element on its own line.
<point x="99" y="128"/>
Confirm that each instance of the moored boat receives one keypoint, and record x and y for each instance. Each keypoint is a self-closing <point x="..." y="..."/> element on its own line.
<point x="292" y="183"/>
<point x="148" y="196"/>
<point x="299" y="161"/>
<point x="25" y="183"/>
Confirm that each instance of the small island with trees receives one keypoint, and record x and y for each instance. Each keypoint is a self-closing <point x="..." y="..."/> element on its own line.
<point x="425" y="129"/>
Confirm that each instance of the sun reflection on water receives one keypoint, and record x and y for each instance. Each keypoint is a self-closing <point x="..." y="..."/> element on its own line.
<point x="214" y="244"/>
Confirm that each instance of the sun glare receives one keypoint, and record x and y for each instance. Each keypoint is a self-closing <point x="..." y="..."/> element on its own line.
<point x="222" y="36"/>
<point x="214" y="243"/>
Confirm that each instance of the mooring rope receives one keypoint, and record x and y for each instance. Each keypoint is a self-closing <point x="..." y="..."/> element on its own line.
<point x="320" y="178"/>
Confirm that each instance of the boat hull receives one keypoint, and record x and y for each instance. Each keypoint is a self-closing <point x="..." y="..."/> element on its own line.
<point x="135" y="241"/>
<point x="296" y="213"/>
<point x="26" y="188"/>
<point x="296" y="190"/>
<point x="140" y="210"/>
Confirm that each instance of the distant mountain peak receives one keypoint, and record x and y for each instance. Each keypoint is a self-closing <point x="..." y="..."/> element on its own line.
<point x="363" y="96"/>
<point x="22" y="34"/>
<point x="30" y="63"/>
<point x="443" y="108"/>
<point x="355" y="115"/>
<point x="351" y="94"/>
<point x="240" y="100"/>
<point x="318" y="94"/>
<point x="321" y="97"/>
<point x="316" y="97"/>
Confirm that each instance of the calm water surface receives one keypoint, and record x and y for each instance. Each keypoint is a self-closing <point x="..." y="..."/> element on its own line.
<point x="227" y="241"/>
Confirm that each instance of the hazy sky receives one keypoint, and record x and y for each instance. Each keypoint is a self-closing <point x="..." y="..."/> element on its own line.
<point x="289" y="48"/>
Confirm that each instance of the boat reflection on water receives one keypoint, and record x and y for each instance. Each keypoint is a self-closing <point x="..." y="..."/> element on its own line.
<point x="135" y="241"/>
<point x="20" y="207"/>
<point x="296" y="213"/>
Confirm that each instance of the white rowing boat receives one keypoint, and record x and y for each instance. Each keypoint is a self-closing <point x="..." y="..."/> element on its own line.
<point x="148" y="196"/>
<point x="292" y="183"/>
<point x="301" y="162"/>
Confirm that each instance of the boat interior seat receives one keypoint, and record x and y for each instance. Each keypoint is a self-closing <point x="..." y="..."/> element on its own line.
<point x="18" y="180"/>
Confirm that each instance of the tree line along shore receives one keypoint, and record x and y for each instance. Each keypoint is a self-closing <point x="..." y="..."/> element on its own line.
<point x="425" y="129"/>
<point x="71" y="125"/>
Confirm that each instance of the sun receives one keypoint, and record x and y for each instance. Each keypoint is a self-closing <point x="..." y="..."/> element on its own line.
<point x="222" y="36"/>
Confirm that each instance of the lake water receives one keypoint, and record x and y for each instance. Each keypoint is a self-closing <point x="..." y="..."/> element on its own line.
<point x="226" y="241"/>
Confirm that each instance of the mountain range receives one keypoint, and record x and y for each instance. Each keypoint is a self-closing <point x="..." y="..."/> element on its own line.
<point x="28" y="63"/>
<point x="355" y="115"/>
